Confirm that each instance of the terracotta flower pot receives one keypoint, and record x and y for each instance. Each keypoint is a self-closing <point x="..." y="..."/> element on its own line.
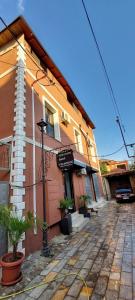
<point x="11" y="270"/>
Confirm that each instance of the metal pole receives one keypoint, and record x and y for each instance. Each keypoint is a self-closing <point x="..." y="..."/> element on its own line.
<point x="118" y="121"/>
<point x="45" y="249"/>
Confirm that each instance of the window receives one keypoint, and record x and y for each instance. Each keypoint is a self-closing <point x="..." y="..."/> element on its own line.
<point x="121" y="167"/>
<point x="92" y="150"/>
<point x="78" y="141"/>
<point x="49" y="117"/>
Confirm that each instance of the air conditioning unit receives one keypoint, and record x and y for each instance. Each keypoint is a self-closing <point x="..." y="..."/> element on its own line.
<point x="81" y="172"/>
<point x="65" y="119"/>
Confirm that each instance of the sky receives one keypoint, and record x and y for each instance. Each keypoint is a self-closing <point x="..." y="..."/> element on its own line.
<point x="62" y="28"/>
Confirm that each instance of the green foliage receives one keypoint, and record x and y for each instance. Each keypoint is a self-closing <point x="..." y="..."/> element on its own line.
<point x="84" y="199"/>
<point x="103" y="168"/>
<point x="14" y="225"/>
<point x="132" y="167"/>
<point x="66" y="203"/>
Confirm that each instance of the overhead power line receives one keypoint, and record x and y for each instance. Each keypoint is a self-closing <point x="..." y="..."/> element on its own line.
<point x="28" y="54"/>
<point x="54" y="84"/>
<point x="108" y="81"/>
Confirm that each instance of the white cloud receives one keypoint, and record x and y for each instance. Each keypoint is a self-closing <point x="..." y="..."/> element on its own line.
<point x="21" y="6"/>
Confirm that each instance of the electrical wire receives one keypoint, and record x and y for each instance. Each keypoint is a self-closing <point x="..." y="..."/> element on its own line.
<point x="21" y="67"/>
<point x="15" y="38"/>
<point x="106" y="155"/>
<point x="108" y="81"/>
<point x="45" y="282"/>
<point x="102" y="61"/>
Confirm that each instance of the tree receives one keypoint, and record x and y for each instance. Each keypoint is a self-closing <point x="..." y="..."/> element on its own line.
<point x="103" y="168"/>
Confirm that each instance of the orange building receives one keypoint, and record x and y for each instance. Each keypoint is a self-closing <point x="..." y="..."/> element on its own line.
<point x="114" y="165"/>
<point x="31" y="88"/>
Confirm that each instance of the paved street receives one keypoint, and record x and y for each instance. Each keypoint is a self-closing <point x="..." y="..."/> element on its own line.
<point x="103" y="253"/>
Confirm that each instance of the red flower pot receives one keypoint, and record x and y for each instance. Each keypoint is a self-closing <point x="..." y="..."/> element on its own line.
<point x="11" y="270"/>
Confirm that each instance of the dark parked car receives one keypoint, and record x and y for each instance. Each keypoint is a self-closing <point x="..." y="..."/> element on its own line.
<point x="124" y="195"/>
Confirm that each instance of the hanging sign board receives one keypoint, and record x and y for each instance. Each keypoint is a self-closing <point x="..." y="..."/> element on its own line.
<point x="65" y="159"/>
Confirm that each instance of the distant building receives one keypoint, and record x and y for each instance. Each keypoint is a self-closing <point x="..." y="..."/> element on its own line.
<point x="108" y="166"/>
<point x="31" y="88"/>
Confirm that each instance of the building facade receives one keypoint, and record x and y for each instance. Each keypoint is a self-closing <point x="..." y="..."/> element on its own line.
<point x="31" y="88"/>
<point x="108" y="165"/>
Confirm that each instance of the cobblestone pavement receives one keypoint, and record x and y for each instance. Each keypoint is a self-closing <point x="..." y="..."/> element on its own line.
<point x="103" y="253"/>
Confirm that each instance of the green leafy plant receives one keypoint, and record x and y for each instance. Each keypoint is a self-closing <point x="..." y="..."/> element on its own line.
<point x="84" y="199"/>
<point x="15" y="226"/>
<point x="66" y="204"/>
<point x="103" y="168"/>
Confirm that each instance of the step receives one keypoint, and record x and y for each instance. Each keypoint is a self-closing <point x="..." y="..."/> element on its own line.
<point x="76" y="227"/>
<point x="78" y="221"/>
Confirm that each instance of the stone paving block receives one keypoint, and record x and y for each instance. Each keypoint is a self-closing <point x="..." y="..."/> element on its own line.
<point x="113" y="285"/>
<point x="111" y="295"/>
<point x="50" y="291"/>
<point x="83" y="273"/>
<point x="133" y="275"/>
<point x="50" y="276"/>
<point x="104" y="273"/>
<point x="126" y="266"/>
<point x="96" y="268"/>
<point x="85" y="293"/>
<point x="50" y="267"/>
<point x="91" y="279"/>
<point x="72" y="261"/>
<point x="64" y="271"/>
<point x="125" y="292"/>
<point x="72" y="252"/>
<point x="37" y="280"/>
<point x="69" y="280"/>
<point x="22" y="296"/>
<point x="79" y="264"/>
<point x="115" y="276"/>
<point x="88" y="264"/>
<point x="116" y="269"/>
<point x="83" y="256"/>
<point x="101" y="285"/>
<point x="127" y="257"/>
<point x="36" y="293"/>
<point x="126" y="278"/>
<point x="60" y="294"/>
<point x="75" y="288"/>
<point x="97" y="297"/>
<point x="60" y="265"/>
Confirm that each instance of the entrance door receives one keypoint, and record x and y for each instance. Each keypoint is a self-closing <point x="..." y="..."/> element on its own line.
<point x="4" y="194"/>
<point x="88" y="189"/>
<point x="96" y="185"/>
<point x="68" y="185"/>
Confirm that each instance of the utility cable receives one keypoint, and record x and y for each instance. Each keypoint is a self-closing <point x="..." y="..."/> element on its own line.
<point x="15" y="38"/>
<point x="114" y="101"/>
<point x="45" y="282"/>
<point x="104" y="155"/>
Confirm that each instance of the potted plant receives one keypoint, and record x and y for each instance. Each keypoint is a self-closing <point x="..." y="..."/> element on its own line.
<point x="15" y="227"/>
<point x="66" y="222"/>
<point x="83" y="205"/>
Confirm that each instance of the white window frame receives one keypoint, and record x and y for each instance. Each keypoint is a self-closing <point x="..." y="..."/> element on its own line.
<point x="55" y="117"/>
<point x="80" y="146"/>
<point x="92" y="151"/>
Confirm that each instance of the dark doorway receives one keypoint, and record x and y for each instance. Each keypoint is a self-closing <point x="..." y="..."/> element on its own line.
<point x="69" y="186"/>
